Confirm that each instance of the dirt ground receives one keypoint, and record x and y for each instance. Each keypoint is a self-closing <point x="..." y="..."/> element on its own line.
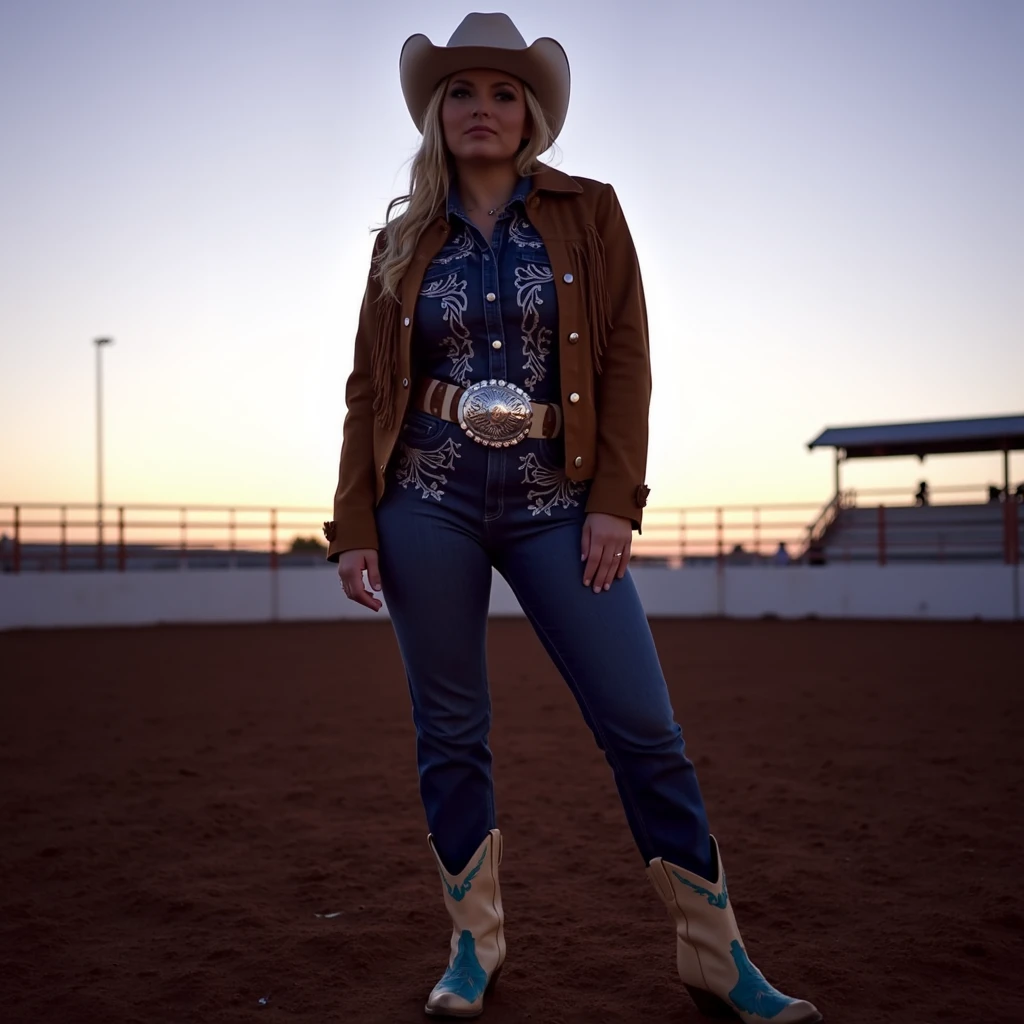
<point x="179" y="805"/>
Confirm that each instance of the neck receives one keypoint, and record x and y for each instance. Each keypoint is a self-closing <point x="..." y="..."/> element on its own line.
<point x="484" y="186"/>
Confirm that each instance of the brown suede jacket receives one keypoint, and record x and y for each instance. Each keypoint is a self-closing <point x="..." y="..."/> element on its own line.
<point x="603" y="354"/>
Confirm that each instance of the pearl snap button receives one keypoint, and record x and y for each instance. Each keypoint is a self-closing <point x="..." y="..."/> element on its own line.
<point x="487" y="255"/>
<point x="406" y="321"/>
<point x="495" y="344"/>
<point x="574" y="398"/>
<point x="405" y="382"/>
<point x="567" y="279"/>
<point x="491" y="296"/>
<point x="578" y="461"/>
<point x="574" y="337"/>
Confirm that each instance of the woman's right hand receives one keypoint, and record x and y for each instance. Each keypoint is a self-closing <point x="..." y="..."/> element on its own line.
<point x="350" y="570"/>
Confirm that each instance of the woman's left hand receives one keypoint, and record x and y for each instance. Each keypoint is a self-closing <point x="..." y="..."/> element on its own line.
<point x="606" y="548"/>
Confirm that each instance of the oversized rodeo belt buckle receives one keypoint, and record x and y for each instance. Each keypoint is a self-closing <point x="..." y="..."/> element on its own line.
<point x="495" y="413"/>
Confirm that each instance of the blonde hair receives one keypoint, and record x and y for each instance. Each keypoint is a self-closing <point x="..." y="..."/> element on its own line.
<point x="428" y="186"/>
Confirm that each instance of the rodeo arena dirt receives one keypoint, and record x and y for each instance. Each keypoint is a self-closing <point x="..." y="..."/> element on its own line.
<point x="222" y="823"/>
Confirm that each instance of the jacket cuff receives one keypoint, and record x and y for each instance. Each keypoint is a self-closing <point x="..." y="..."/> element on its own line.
<point x="350" y="533"/>
<point x="612" y="501"/>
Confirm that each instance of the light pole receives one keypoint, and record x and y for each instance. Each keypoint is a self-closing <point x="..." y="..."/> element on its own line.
<point x="99" y="343"/>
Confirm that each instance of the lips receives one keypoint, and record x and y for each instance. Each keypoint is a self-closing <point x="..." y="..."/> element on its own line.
<point x="480" y="130"/>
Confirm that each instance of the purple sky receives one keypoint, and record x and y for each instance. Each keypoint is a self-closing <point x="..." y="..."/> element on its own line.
<point x="826" y="199"/>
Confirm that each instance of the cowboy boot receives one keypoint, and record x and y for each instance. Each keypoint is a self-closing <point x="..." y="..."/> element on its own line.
<point x="473" y="899"/>
<point x="710" y="955"/>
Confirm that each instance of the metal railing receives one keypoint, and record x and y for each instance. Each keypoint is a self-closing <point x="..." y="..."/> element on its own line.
<point x="36" y="536"/>
<point x="74" y="536"/>
<point x="715" y="533"/>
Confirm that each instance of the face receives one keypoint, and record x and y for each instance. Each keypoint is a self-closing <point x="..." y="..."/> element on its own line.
<point x="484" y="115"/>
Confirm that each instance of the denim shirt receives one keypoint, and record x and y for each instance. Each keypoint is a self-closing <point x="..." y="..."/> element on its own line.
<point x="487" y="307"/>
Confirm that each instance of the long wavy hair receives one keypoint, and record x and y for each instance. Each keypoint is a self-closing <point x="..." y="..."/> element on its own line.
<point x="429" y="176"/>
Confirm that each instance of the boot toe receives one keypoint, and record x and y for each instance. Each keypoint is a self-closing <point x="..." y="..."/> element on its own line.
<point x="799" y="1012"/>
<point x="449" y="1004"/>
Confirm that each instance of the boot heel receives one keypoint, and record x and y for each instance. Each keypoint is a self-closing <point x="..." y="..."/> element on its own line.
<point x="494" y="979"/>
<point x="710" y="1005"/>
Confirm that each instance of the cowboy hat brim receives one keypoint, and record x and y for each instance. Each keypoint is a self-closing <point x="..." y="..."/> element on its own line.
<point x="543" y="66"/>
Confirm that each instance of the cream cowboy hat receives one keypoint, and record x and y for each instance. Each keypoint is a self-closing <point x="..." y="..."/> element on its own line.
<point x="486" y="41"/>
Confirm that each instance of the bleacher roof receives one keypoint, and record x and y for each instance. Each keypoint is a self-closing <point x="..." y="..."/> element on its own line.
<point x="988" y="434"/>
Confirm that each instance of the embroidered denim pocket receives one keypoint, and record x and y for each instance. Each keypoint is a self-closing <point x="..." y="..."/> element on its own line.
<point x="451" y="262"/>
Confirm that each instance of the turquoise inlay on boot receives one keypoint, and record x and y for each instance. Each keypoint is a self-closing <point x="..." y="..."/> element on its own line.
<point x="710" y="957"/>
<point x="753" y="993"/>
<point x="715" y="899"/>
<point x="465" y="977"/>
<point x="476" y="951"/>
<point x="459" y="891"/>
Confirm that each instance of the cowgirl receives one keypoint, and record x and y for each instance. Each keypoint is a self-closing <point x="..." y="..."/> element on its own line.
<point x="497" y="418"/>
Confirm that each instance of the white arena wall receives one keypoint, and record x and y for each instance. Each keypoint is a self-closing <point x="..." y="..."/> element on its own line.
<point x="981" y="591"/>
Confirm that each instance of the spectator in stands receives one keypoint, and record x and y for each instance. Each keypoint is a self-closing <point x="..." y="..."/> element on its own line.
<point x="781" y="556"/>
<point x="1019" y="493"/>
<point x="921" y="498"/>
<point x="995" y="494"/>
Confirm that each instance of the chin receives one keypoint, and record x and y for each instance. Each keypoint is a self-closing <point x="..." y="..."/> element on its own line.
<point x="488" y="149"/>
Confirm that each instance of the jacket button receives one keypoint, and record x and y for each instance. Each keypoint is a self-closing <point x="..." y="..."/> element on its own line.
<point x="406" y="321"/>
<point x="578" y="461"/>
<point x="574" y="398"/>
<point x="573" y="338"/>
<point x="491" y="296"/>
<point x="495" y="344"/>
<point x="567" y="278"/>
<point x="382" y="468"/>
<point x="405" y="382"/>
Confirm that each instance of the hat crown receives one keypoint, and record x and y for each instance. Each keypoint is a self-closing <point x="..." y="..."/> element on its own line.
<point x="496" y="30"/>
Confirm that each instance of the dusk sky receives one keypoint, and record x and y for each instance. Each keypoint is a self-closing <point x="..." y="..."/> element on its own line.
<point x="826" y="199"/>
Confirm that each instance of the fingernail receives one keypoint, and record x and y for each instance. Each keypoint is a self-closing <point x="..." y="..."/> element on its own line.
<point x="597" y="590"/>
<point x="586" y="583"/>
<point x="376" y="586"/>
<point x="607" y="586"/>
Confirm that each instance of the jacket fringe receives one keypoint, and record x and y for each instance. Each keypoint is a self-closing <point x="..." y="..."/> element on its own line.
<point x="591" y="261"/>
<point x="383" y="361"/>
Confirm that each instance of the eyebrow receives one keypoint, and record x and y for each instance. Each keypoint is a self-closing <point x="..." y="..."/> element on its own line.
<point x="495" y="85"/>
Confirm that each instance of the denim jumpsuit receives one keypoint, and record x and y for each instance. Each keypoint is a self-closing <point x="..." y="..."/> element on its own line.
<point x="452" y="509"/>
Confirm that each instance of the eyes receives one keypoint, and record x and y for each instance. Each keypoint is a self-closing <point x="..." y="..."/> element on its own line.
<point x="460" y="92"/>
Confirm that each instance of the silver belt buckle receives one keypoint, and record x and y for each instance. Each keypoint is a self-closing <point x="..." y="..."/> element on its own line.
<point x="495" y="413"/>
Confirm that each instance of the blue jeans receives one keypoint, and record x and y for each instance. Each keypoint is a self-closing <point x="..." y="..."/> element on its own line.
<point x="451" y="510"/>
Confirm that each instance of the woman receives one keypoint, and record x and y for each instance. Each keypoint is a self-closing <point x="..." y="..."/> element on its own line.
<point x="497" y="417"/>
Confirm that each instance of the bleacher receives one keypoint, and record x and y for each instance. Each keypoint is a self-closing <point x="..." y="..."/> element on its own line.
<point x="929" y="533"/>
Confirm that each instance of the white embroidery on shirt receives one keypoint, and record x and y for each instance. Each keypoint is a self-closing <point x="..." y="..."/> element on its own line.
<point x="523" y="234"/>
<point x="536" y="339"/>
<point x="456" y="249"/>
<point x="451" y="292"/>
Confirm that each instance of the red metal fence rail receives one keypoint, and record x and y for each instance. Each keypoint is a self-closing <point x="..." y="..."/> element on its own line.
<point x="64" y="537"/>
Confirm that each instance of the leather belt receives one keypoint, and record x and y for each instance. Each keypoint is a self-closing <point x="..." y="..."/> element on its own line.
<point x="491" y="412"/>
